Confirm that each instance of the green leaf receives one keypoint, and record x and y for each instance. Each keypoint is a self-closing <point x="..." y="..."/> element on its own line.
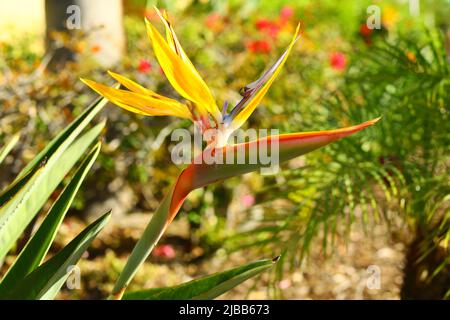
<point x="17" y="213"/>
<point x="148" y="240"/>
<point x="17" y="185"/>
<point x="8" y="147"/>
<point x="54" y="147"/>
<point x="45" y="281"/>
<point x="38" y="246"/>
<point x="67" y="136"/>
<point x="208" y="287"/>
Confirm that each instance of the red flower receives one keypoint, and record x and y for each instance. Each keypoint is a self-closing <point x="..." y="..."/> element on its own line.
<point x="96" y="48"/>
<point x="271" y="28"/>
<point x="214" y="22"/>
<point x="364" y="30"/>
<point x="263" y="24"/>
<point x="164" y="251"/>
<point x="368" y="41"/>
<point x="411" y="56"/>
<point x="338" y="61"/>
<point x="259" y="46"/>
<point x="144" y="66"/>
<point x="151" y="14"/>
<point x="252" y="45"/>
<point x="286" y="13"/>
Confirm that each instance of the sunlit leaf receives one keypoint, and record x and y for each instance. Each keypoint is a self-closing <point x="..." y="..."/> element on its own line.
<point x="46" y="281"/>
<point x="205" y="288"/>
<point x="17" y="213"/>
<point x="37" y="247"/>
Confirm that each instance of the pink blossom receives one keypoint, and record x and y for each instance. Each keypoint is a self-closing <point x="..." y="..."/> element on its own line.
<point x="248" y="200"/>
<point x="164" y="251"/>
<point x="284" y="284"/>
<point x="286" y="13"/>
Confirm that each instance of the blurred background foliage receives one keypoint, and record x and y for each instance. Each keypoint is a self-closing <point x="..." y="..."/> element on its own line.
<point x="394" y="175"/>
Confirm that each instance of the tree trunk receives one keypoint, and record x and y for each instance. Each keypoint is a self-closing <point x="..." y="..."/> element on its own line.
<point x="100" y="21"/>
<point x="417" y="281"/>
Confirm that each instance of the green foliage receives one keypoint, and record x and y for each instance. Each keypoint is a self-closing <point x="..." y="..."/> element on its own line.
<point x="397" y="170"/>
<point x="46" y="280"/>
<point x="21" y="202"/>
<point x="18" y="212"/>
<point x="37" y="247"/>
<point x="208" y="287"/>
<point x="4" y="151"/>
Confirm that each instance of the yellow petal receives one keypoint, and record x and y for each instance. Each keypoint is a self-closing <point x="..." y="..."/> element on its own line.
<point x="135" y="87"/>
<point x="256" y="96"/>
<point x="129" y="84"/>
<point x="182" y="74"/>
<point x="141" y="103"/>
<point x="172" y="40"/>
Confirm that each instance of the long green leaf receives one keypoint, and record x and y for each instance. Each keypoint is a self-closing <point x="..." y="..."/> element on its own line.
<point x="18" y="185"/>
<point x="67" y="136"/>
<point x="58" y="144"/>
<point x="148" y="240"/>
<point x="17" y="213"/>
<point x="38" y="246"/>
<point x="45" y="281"/>
<point x="8" y="147"/>
<point x="208" y="287"/>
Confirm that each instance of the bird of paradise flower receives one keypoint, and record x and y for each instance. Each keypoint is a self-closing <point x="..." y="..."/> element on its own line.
<point x="201" y="107"/>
